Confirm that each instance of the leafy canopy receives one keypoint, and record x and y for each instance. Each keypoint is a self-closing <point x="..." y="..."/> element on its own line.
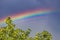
<point x="10" y="33"/>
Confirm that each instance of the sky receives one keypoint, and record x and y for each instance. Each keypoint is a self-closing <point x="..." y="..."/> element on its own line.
<point x="50" y="21"/>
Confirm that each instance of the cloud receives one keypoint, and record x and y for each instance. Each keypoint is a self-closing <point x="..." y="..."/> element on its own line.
<point x="7" y="7"/>
<point x="50" y="3"/>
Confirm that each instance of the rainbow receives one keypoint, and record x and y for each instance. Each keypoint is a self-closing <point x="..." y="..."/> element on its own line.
<point x="27" y="14"/>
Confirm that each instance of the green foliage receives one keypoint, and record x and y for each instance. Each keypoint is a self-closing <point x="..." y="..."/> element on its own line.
<point x="10" y="33"/>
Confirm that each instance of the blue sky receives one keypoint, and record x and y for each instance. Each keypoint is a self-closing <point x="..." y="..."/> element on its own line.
<point x="50" y="22"/>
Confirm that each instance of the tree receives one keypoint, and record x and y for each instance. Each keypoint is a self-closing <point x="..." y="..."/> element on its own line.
<point x="46" y="35"/>
<point x="9" y="32"/>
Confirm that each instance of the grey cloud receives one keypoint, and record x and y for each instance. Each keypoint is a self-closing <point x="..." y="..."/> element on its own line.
<point x="7" y="7"/>
<point x="12" y="6"/>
